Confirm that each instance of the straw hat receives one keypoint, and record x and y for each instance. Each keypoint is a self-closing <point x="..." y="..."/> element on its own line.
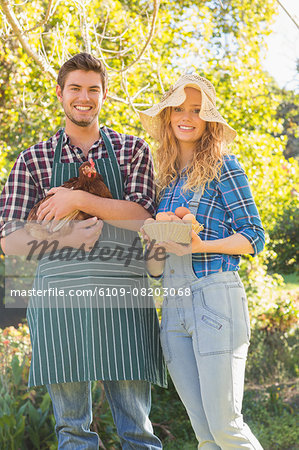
<point x="175" y="96"/>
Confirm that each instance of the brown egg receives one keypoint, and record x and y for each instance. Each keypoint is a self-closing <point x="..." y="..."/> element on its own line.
<point x="162" y="217"/>
<point x="175" y="218"/>
<point x="181" y="211"/>
<point x="170" y="213"/>
<point x="149" y="220"/>
<point x="189" y="218"/>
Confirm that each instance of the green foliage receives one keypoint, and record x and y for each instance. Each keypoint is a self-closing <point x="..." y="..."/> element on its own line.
<point x="273" y="353"/>
<point x="271" y="418"/>
<point x="170" y="419"/>
<point x="288" y="113"/>
<point x="25" y="417"/>
<point x="272" y="356"/>
<point x="261" y="288"/>
<point x="25" y="420"/>
<point x="284" y="241"/>
<point x="274" y="313"/>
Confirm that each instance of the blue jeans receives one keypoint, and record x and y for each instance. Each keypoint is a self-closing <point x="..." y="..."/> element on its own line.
<point x="130" y="403"/>
<point x="205" y="335"/>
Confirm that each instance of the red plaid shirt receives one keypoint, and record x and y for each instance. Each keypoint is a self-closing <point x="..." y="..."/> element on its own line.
<point x="29" y="180"/>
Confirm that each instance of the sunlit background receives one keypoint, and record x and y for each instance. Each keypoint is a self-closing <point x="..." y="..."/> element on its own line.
<point x="282" y="59"/>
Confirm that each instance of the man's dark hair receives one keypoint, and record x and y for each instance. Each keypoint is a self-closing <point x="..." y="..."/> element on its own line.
<point x="82" y="61"/>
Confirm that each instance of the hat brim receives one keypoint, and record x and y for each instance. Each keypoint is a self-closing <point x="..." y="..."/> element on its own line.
<point x="151" y="121"/>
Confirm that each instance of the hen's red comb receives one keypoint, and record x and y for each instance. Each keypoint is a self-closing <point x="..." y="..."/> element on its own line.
<point x="91" y="162"/>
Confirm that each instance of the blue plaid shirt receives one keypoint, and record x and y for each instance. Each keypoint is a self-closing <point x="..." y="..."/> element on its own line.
<point x="227" y="206"/>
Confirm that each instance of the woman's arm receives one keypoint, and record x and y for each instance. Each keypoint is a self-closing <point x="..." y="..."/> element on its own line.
<point x="239" y="204"/>
<point x="236" y="244"/>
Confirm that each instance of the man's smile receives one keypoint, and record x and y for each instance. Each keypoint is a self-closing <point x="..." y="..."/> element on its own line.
<point x="83" y="108"/>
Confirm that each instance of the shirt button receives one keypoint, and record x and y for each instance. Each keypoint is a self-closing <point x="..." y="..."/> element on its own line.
<point x="172" y="271"/>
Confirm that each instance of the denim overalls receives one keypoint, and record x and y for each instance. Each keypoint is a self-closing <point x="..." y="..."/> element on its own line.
<point x="205" y="333"/>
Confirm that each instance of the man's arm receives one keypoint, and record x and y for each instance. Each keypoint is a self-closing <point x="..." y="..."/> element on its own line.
<point x="122" y="213"/>
<point x="86" y="231"/>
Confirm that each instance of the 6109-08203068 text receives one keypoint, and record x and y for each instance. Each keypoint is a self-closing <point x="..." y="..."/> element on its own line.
<point x="101" y="291"/>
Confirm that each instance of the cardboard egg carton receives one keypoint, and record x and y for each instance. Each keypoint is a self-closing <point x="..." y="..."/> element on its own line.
<point x="169" y="231"/>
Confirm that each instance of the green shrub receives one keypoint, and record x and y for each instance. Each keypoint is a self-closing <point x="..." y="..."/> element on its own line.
<point x="284" y="241"/>
<point x="170" y="420"/>
<point x="271" y="418"/>
<point x="26" y="417"/>
<point x="273" y="352"/>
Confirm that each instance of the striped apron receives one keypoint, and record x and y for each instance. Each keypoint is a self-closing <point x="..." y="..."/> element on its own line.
<point x="97" y="334"/>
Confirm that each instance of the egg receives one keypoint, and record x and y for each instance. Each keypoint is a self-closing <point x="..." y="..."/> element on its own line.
<point x="170" y="213"/>
<point x="162" y="217"/>
<point x="175" y="218"/>
<point x="149" y="220"/>
<point x="181" y="211"/>
<point x="189" y="218"/>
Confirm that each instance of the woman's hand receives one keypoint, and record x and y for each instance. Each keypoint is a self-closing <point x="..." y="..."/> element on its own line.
<point x="155" y="255"/>
<point x="62" y="203"/>
<point x="182" y="249"/>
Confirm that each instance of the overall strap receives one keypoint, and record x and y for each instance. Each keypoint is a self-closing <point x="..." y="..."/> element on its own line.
<point x="194" y="201"/>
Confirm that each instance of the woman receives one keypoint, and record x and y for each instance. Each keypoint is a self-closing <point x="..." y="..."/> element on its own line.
<point x="205" y="326"/>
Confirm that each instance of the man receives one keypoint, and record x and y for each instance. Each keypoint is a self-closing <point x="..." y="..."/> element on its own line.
<point x="77" y="338"/>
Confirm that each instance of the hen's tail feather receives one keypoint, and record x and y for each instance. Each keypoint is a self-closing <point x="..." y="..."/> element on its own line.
<point x="53" y="228"/>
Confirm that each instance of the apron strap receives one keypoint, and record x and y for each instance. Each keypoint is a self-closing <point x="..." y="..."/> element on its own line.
<point x="114" y="170"/>
<point x="55" y="180"/>
<point x="58" y="149"/>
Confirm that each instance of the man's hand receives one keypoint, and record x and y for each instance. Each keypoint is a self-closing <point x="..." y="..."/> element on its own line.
<point x="60" y="205"/>
<point x="84" y="232"/>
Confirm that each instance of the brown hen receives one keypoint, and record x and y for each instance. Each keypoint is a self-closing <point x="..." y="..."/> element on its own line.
<point x="89" y="180"/>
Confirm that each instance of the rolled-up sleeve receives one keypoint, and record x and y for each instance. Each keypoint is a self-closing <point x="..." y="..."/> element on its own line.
<point x="139" y="186"/>
<point x="239" y="203"/>
<point x="19" y="195"/>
